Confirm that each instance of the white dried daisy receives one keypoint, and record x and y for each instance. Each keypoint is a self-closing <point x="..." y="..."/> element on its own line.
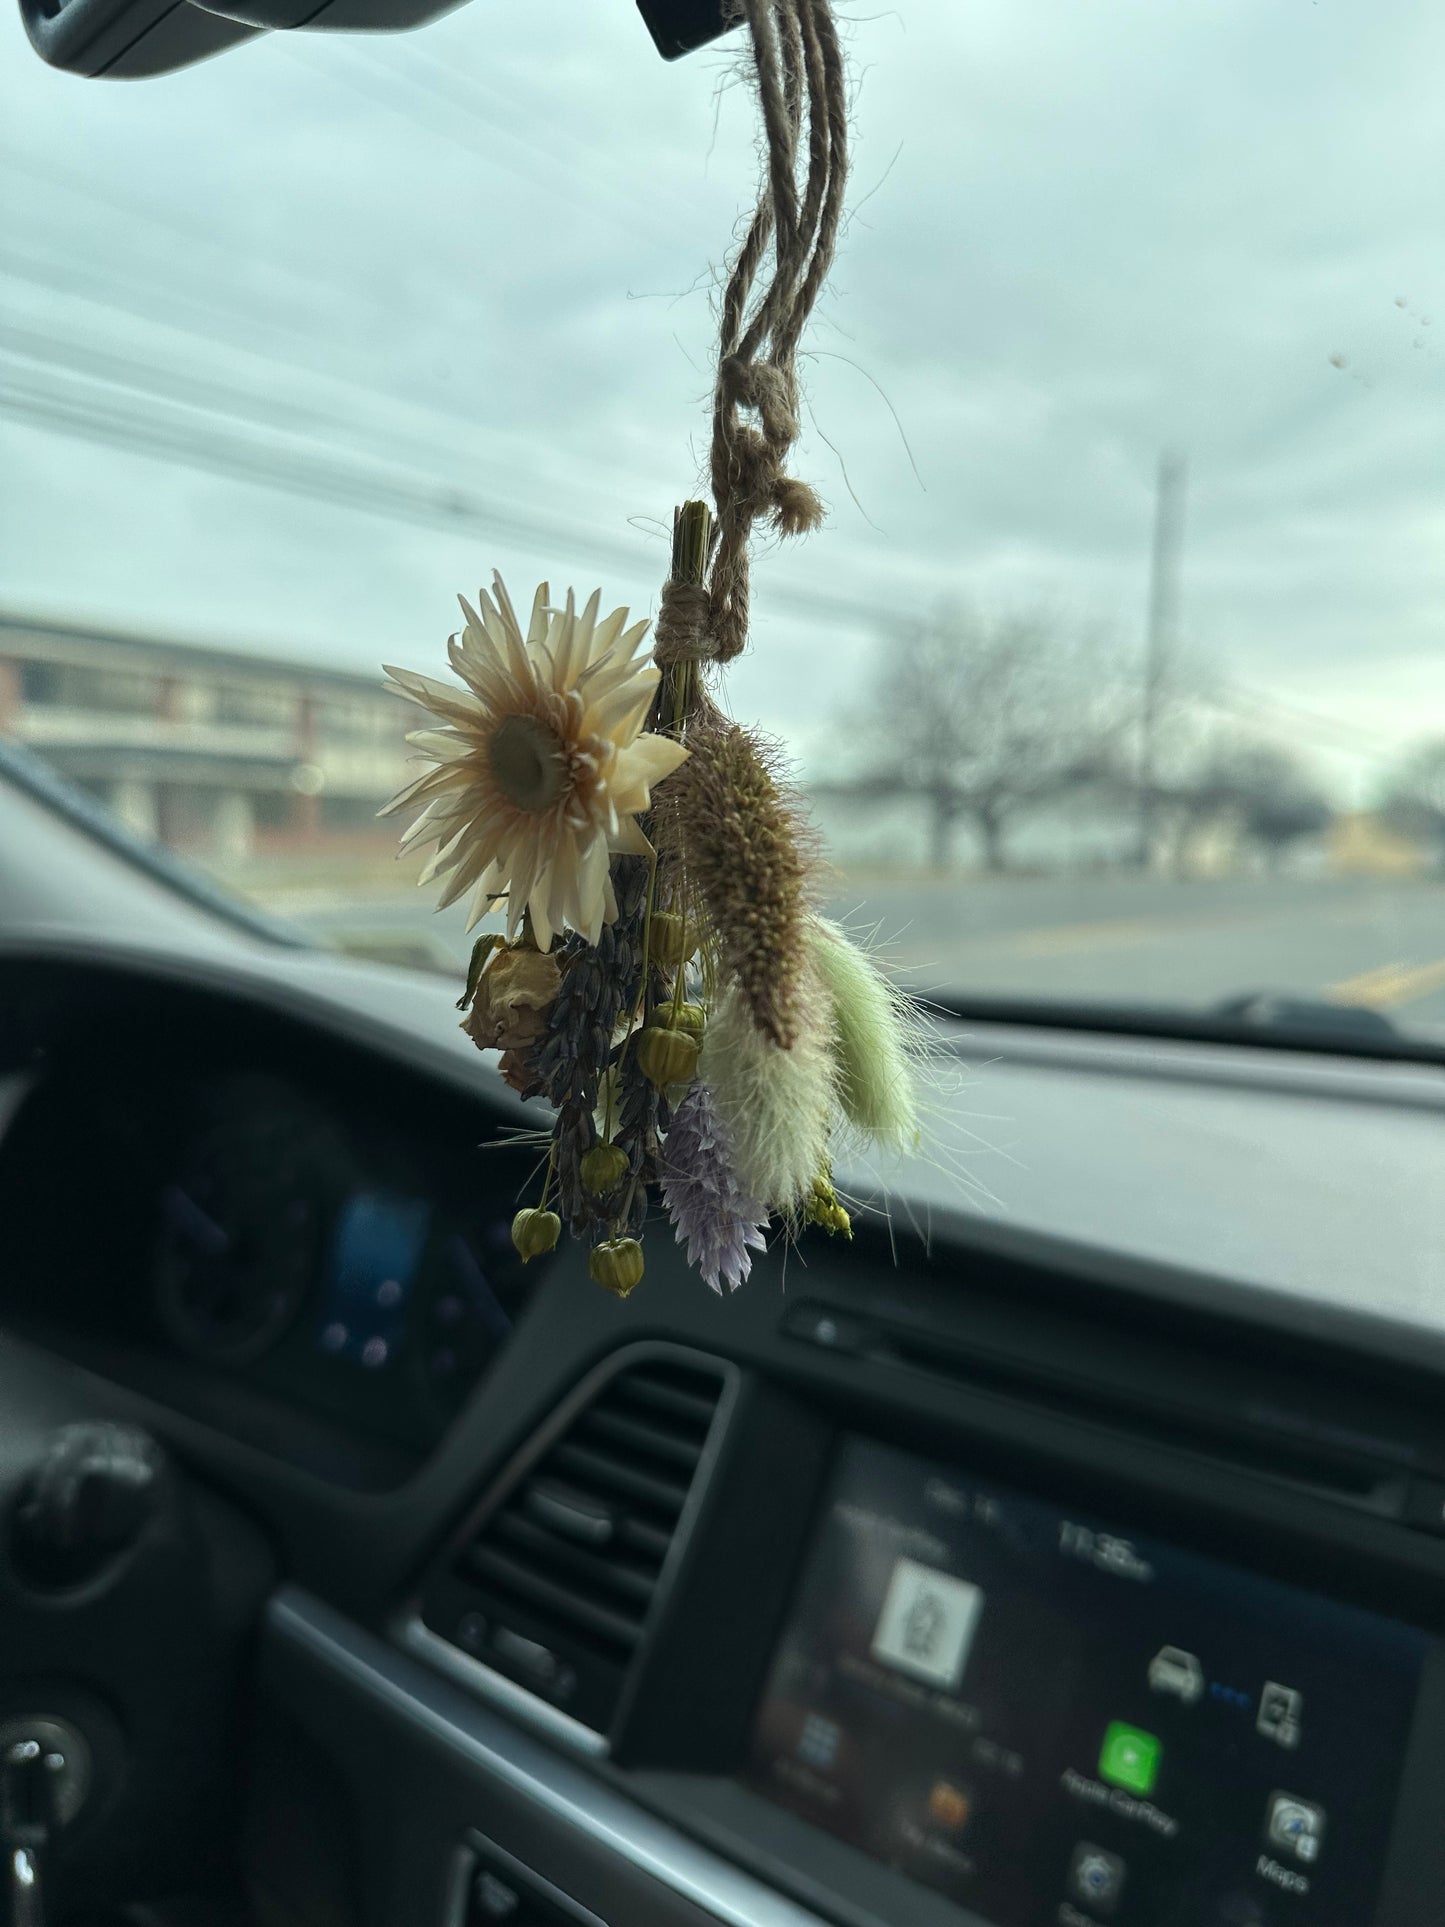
<point x="540" y="764"/>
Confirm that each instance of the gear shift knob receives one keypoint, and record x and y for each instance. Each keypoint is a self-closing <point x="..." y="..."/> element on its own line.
<point x="90" y="1496"/>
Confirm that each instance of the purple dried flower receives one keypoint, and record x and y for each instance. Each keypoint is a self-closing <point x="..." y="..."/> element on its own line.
<point x="720" y="1225"/>
<point x="598" y="983"/>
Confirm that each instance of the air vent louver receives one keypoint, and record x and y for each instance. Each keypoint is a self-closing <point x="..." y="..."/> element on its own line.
<point x="556" y="1584"/>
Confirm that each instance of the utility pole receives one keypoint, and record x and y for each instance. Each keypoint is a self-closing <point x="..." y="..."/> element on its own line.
<point x="1159" y="637"/>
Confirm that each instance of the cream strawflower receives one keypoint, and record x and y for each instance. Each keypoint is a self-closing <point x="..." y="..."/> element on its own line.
<point x="540" y="764"/>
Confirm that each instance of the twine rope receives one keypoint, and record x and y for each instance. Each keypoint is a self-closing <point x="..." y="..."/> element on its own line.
<point x="775" y="281"/>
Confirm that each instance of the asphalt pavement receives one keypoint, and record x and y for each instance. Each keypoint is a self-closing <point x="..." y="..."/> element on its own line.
<point x="1377" y="943"/>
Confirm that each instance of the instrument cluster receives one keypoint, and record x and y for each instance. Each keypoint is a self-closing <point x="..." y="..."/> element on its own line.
<point x="343" y="1254"/>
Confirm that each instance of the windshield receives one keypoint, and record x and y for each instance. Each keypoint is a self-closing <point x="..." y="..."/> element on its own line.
<point x="1117" y="674"/>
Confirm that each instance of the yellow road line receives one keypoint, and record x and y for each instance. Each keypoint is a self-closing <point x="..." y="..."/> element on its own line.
<point x="1363" y="989"/>
<point x="1390" y="986"/>
<point x="1417" y="983"/>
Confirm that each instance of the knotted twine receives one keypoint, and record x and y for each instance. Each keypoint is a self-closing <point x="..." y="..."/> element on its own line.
<point x="775" y="280"/>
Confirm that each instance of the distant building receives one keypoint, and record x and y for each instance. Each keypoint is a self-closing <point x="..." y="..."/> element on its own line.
<point x="217" y="753"/>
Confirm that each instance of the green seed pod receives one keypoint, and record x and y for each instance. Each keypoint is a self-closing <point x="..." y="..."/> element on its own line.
<point x="669" y="934"/>
<point x="534" y="1232"/>
<point x="688" y="1018"/>
<point x="667" y="1056"/>
<point x="617" y="1266"/>
<point x="603" y="1168"/>
<point x="822" y="1208"/>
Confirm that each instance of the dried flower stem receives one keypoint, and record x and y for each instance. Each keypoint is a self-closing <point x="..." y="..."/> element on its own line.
<point x="679" y="695"/>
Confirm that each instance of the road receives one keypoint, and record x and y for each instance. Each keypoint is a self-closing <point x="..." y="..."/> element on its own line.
<point x="1372" y="942"/>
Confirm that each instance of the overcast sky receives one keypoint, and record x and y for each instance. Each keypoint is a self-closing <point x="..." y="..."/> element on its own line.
<point x="485" y="255"/>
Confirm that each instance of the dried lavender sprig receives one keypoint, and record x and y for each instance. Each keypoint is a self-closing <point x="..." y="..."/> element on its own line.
<point x="599" y="982"/>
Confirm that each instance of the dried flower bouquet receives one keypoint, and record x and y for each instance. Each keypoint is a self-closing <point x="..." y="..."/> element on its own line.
<point x="667" y="982"/>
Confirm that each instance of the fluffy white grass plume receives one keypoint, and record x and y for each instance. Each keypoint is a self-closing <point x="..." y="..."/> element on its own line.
<point x="872" y="1024"/>
<point x="775" y="1105"/>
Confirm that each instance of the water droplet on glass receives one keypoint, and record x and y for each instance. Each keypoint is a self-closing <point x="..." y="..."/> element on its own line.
<point x="388" y="1293"/>
<point x="373" y="1352"/>
<point x="333" y="1338"/>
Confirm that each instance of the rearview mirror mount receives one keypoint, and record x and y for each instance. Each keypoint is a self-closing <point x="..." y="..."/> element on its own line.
<point x="134" y="39"/>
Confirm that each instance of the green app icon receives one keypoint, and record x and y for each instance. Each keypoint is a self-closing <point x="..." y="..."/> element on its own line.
<point x="1130" y="1758"/>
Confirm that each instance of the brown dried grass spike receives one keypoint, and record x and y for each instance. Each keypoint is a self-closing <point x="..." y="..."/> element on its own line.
<point x="728" y="820"/>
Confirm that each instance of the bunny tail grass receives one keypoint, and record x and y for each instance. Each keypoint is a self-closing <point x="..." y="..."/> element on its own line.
<point x="877" y="1085"/>
<point x="775" y="1105"/>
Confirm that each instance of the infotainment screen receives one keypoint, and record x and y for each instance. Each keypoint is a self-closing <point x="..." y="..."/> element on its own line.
<point x="1059" y="1724"/>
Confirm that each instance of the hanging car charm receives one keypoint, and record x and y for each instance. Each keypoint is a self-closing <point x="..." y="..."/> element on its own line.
<point x="667" y="982"/>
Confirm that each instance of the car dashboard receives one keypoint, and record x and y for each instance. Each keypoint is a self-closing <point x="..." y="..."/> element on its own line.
<point x="320" y="1256"/>
<point x="962" y="1576"/>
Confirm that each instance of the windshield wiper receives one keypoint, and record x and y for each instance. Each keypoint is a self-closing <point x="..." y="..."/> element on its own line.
<point x="1274" y="1011"/>
<point x="1262" y="1020"/>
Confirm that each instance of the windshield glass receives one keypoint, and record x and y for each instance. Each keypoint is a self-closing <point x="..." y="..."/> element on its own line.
<point x="1117" y="673"/>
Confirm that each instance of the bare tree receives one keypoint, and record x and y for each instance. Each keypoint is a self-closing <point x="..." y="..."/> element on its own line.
<point x="1264" y="788"/>
<point x="1415" y="796"/>
<point x="982" y="720"/>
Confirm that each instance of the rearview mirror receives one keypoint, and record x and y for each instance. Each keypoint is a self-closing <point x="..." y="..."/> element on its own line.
<point x="131" y="39"/>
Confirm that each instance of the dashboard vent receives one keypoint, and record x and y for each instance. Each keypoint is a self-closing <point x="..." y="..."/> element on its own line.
<point x="556" y="1585"/>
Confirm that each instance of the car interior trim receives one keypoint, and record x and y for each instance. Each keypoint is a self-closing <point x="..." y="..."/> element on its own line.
<point x="513" y="1698"/>
<point x="505" y="1694"/>
<point x="563" y="1789"/>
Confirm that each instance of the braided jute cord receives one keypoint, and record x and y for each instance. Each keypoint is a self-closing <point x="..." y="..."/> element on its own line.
<point x="775" y="280"/>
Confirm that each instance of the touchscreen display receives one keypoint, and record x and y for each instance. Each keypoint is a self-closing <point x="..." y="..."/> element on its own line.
<point x="1058" y="1724"/>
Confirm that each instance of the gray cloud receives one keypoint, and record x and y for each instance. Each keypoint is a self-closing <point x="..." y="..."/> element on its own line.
<point x="484" y="251"/>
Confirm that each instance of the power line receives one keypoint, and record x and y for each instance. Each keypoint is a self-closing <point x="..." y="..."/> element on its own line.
<point x="334" y="479"/>
<point x="1240" y="699"/>
<point x="347" y="67"/>
<point x="138" y="298"/>
<point x="64" y="277"/>
<point x="423" y="435"/>
<point x="379" y="489"/>
<point x="270" y="412"/>
<point x="126" y="294"/>
<point x="386" y="489"/>
<point x="193" y="233"/>
<point x="382" y="491"/>
<point x="661" y="196"/>
<point x="176" y="385"/>
<point x="45" y="409"/>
